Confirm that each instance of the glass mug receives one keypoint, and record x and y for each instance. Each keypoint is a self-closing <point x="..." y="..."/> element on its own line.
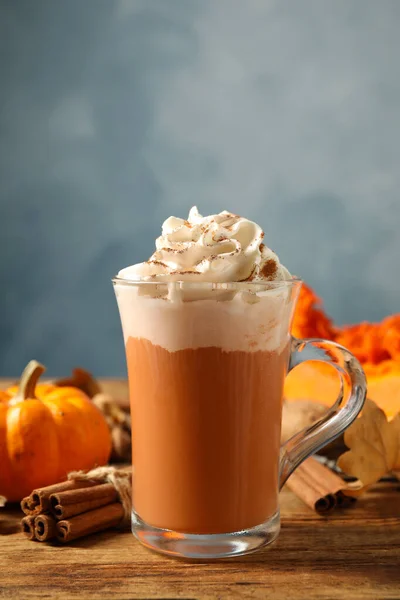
<point x="206" y="369"/>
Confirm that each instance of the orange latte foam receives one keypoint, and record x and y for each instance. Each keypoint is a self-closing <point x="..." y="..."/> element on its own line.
<point x="206" y="436"/>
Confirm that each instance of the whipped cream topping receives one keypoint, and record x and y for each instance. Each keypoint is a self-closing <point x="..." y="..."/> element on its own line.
<point x="219" y="248"/>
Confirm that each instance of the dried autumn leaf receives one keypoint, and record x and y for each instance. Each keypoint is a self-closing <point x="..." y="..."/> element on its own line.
<point x="374" y="444"/>
<point x="396" y="425"/>
<point x="119" y="423"/>
<point x="82" y="380"/>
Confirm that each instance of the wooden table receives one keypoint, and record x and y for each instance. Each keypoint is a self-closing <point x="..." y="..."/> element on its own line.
<point x="352" y="555"/>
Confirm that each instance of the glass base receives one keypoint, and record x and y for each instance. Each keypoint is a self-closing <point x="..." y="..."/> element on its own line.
<point x="210" y="546"/>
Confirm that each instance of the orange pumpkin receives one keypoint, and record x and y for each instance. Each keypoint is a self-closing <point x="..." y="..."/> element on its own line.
<point x="41" y="390"/>
<point x="4" y="396"/>
<point x="44" y="436"/>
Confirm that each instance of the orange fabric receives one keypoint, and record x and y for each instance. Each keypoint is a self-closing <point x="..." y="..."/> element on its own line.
<point x="376" y="345"/>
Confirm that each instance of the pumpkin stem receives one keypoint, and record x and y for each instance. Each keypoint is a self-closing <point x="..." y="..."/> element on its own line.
<point x="29" y="378"/>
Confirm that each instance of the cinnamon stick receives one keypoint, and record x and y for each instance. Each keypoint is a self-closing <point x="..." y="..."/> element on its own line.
<point x="28" y="527"/>
<point x="319" y="487"/>
<point x="45" y="528"/>
<point x="39" y="500"/>
<point x="69" y="503"/>
<point x="90" y="522"/>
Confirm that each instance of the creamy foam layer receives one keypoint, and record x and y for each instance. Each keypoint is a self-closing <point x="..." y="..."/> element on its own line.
<point x="218" y="248"/>
<point x="224" y="319"/>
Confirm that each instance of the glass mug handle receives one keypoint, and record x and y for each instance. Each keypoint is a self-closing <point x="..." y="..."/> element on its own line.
<point x="346" y="408"/>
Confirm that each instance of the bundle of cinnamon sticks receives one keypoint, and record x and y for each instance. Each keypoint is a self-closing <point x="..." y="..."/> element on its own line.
<point x="71" y="510"/>
<point x="320" y="488"/>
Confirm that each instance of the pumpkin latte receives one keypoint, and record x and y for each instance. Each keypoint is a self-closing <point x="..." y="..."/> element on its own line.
<point x="206" y="327"/>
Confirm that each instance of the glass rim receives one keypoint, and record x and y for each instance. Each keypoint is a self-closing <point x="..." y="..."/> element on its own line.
<point x="207" y="284"/>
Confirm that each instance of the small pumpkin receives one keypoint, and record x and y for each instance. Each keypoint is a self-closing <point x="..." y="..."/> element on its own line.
<point x="44" y="436"/>
<point x="41" y="390"/>
<point x="4" y="396"/>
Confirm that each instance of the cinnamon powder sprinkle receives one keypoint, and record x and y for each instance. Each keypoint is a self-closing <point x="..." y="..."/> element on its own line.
<point x="269" y="269"/>
<point x="185" y="271"/>
<point x="174" y="250"/>
<point x="230" y="215"/>
<point x="156" y="262"/>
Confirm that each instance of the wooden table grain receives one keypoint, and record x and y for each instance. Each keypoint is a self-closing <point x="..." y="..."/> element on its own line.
<point x="352" y="555"/>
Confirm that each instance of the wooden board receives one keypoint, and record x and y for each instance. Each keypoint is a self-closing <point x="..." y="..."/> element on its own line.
<point x="352" y="555"/>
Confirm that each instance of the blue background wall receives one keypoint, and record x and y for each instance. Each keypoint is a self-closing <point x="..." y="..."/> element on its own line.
<point x="115" y="114"/>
